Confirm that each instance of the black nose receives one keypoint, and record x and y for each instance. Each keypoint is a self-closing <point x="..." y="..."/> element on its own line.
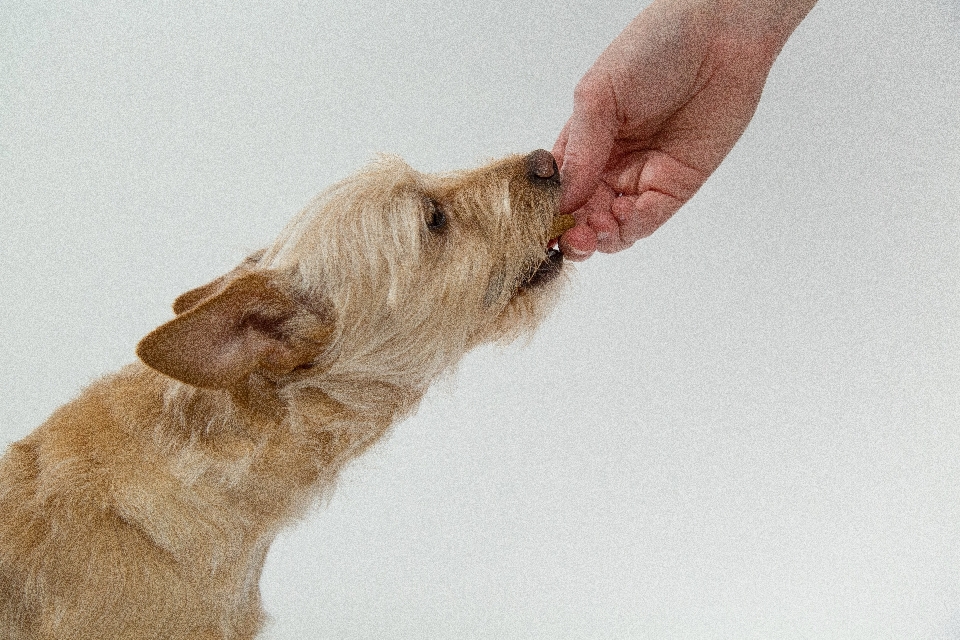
<point x="542" y="166"/>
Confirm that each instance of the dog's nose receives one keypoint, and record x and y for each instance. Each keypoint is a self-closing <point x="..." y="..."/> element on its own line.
<point x="542" y="166"/>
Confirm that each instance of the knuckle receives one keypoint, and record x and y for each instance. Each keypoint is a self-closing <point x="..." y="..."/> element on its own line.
<point x="591" y="95"/>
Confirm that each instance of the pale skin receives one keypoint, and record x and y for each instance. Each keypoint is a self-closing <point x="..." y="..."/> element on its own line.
<point x="660" y="109"/>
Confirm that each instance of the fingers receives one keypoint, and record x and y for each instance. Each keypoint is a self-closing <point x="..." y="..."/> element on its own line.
<point x="651" y="187"/>
<point x="561" y="144"/>
<point x="638" y="217"/>
<point x="610" y="223"/>
<point x="578" y="243"/>
<point x="592" y="219"/>
<point x="583" y="148"/>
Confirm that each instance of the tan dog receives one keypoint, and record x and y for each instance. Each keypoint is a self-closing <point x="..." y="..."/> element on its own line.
<point x="145" y="507"/>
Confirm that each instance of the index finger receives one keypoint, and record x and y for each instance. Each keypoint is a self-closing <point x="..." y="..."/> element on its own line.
<point x="585" y="144"/>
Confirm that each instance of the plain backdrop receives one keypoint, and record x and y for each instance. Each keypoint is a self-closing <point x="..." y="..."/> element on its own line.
<point x="746" y="426"/>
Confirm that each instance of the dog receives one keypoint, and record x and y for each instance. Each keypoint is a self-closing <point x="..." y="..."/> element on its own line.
<point x="145" y="507"/>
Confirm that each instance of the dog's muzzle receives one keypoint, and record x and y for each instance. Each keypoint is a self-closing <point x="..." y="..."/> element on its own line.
<point x="542" y="170"/>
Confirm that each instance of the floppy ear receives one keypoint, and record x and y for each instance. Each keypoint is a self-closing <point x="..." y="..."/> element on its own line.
<point x="251" y="324"/>
<point x="192" y="298"/>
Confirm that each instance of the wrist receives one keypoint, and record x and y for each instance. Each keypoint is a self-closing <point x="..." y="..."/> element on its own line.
<point x="762" y="23"/>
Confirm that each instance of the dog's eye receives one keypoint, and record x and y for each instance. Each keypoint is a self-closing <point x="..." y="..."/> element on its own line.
<point x="436" y="218"/>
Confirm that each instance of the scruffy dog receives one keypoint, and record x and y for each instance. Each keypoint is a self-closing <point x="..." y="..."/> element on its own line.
<point x="144" y="508"/>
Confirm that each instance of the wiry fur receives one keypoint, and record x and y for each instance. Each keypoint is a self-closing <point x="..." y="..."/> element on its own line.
<point x="145" y="507"/>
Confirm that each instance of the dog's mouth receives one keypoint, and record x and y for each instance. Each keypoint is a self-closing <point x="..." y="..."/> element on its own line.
<point x="546" y="270"/>
<point x="549" y="268"/>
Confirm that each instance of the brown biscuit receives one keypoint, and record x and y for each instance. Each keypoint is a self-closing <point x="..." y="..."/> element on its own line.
<point x="560" y="225"/>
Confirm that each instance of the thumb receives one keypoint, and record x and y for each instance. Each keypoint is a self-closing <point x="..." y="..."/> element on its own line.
<point x="584" y="146"/>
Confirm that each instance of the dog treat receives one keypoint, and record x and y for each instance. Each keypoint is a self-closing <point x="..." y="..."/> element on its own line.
<point x="561" y="224"/>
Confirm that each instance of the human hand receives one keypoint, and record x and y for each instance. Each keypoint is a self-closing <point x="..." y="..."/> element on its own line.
<point x="659" y="110"/>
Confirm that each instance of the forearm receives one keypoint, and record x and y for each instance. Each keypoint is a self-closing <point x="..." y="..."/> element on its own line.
<point x="767" y="23"/>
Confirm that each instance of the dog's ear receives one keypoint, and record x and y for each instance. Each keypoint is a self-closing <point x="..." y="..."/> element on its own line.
<point x="253" y="323"/>
<point x="192" y="298"/>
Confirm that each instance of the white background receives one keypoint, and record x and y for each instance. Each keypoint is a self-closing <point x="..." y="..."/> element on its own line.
<point x="746" y="426"/>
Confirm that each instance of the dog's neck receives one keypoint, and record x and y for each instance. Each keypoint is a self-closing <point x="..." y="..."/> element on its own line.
<point x="271" y="444"/>
<point x="242" y="464"/>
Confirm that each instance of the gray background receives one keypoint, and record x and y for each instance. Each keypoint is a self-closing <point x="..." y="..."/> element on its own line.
<point x="743" y="427"/>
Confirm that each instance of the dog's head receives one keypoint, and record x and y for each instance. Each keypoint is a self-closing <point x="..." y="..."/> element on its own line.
<point x="390" y="275"/>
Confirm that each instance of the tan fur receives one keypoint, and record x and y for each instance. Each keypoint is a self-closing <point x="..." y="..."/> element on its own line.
<point x="145" y="507"/>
